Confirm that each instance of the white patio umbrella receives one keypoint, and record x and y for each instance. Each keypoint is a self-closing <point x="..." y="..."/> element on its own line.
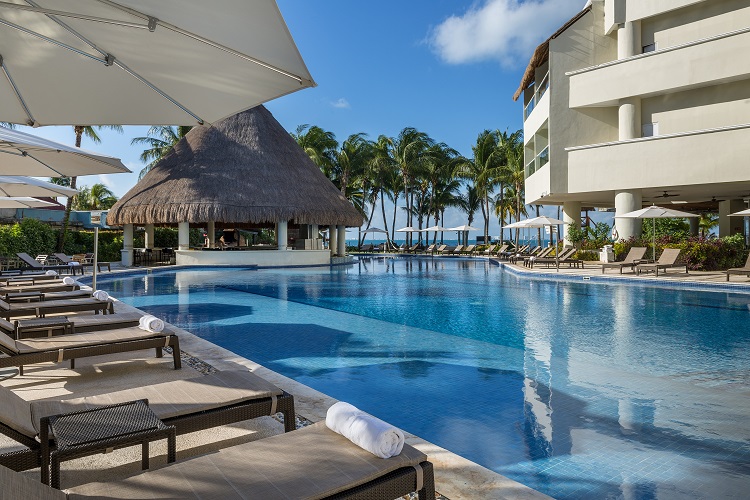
<point x="28" y="186"/>
<point x="374" y="230"/>
<point x="408" y="230"/>
<point x="26" y="154"/>
<point x="743" y="213"/>
<point x="23" y="202"/>
<point x="463" y="229"/>
<point x="141" y="62"/>
<point x="654" y="212"/>
<point x="541" y="221"/>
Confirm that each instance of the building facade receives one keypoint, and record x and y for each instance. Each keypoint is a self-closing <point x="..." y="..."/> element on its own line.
<point x="640" y="102"/>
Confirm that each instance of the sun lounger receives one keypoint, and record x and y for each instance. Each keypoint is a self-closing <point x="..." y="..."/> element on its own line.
<point x="190" y="405"/>
<point x="430" y="249"/>
<point x="37" y="286"/>
<point x="366" y="248"/>
<point x="633" y="258"/>
<point x="35" y="296"/>
<point x="35" y="265"/>
<point x="310" y="463"/>
<point x="564" y="257"/>
<point x="502" y="252"/>
<point x="740" y="270"/>
<point x="441" y="249"/>
<point x="542" y="254"/>
<point x="457" y="250"/>
<point x="469" y="250"/>
<point x="489" y="250"/>
<point x="59" y="348"/>
<point x="68" y="261"/>
<point x="13" y="310"/>
<point x="29" y="278"/>
<point x="81" y="323"/>
<point x="667" y="259"/>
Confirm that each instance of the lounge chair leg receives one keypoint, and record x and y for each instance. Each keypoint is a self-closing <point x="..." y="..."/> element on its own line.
<point x="73" y="364"/>
<point x="20" y="370"/>
<point x="176" y="353"/>
<point x="428" y="489"/>
<point x="159" y="352"/>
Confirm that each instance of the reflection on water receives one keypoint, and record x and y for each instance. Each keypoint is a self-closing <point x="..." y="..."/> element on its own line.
<point x="578" y="390"/>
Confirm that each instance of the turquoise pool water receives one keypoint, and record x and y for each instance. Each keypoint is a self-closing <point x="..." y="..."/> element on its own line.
<point x="576" y="389"/>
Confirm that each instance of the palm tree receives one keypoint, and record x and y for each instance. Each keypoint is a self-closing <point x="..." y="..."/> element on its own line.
<point x="160" y="141"/>
<point x="320" y="145"/>
<point x="80" y="131"/>
<point x="707" y="222"/>
<point x="352" y="160"/>
<point x="509" y="144"/>
<point x="470" y="202"/>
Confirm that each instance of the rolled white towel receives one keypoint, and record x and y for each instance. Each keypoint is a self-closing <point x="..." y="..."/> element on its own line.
<point x="100" y="295"/>
<point x="74" y="263"/>
<point x="69" y="281"/>
<point x="369" y="433"/>
<point x="51" y="272"/>
<point x="151" y="323"/>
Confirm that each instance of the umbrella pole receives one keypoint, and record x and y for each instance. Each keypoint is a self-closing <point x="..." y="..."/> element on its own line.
<point x="653" y="241"/>
<point x="96" y="257"/>
<point x="557" y="253"/>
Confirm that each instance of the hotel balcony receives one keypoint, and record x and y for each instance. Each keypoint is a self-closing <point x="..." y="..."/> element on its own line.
<point x="718" y="59"/>
<point x="536" y="111"/>
<point x="688" y="158"/>
<point x="537" y="184"/>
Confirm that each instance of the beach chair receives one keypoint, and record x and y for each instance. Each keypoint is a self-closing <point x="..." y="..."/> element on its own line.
<point x="740" y="270"/>
<point x="542" y="254"/>
<point x="190" y="405"/>
<point x="430" y="249"/>
<point x="312" y="462"/>
<point x="441" y="249"/>
<point x="457" y="250"/>
<point x="29" y="278"/>
<point x="502" y="252"/>
<point x="42" y="308"/>
<point x="469" y="250"/>
<point x="15" y="296"/>
<point x="667" y="260"/>
<point x="489" y="250"/>
<point x="35" y="265"/>
<point x="59" y="348"/>
<point x="56" y="285"/>
<point x="633" y="258"/>
<point x="78" y="323"/>
<point x="565" y="254"/>
<point x="74" y="263"/>
<point x="414" y="248"/>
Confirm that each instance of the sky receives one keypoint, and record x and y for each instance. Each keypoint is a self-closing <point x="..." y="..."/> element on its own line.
<point x="446" y="67"/>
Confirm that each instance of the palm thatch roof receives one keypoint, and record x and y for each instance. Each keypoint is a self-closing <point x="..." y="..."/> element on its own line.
<point x="243" y="169"/>
<point x="541" y="54"/>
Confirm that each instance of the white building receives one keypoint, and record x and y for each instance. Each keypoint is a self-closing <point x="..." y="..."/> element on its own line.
<point x="634" y="102"/>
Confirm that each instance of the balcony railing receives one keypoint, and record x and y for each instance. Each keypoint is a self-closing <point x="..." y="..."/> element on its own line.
<point x="538" y="162"/>
<point x="541" y="89"/>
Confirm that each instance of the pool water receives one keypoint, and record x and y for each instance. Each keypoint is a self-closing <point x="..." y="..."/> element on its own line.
<point x="576" y="389"/>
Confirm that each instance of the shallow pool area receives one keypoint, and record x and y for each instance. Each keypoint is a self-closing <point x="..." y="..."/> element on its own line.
<point x="576" y="389"/>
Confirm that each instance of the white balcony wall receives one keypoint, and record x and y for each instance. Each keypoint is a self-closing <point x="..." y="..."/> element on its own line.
<point x="708" y="157"/>
<point x="703" y="20"/>
<point x="669" y="70"/>
<point x="538" y="186"/>
<point x="641" y="9"/>
<point x="699" y="109"/>
<point x="537" y="119"/>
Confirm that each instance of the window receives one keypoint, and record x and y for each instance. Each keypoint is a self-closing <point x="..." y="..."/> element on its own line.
<point x="650" y="129"/>
<point x="649" y="48"/>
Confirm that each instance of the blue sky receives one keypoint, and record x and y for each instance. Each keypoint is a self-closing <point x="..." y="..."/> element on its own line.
<point x="446" y="67"/>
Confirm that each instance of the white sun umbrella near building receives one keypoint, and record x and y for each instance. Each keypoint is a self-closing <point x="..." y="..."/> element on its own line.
<point x="408" y="230"/>
<point x="13" y="186"/>
<point x="436" y="229"/>
<point x="654" y="212"/>
<point x="743" y="213"/>
<point x="541" y="221"/>
<point x="140" y="62"/>
<point x="24" y="202"/>
<point x="374" y="230"/>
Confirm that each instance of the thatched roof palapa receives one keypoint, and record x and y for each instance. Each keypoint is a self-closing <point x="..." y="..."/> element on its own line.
<point x="541" y="54"/>
<point x="243" y="169"/>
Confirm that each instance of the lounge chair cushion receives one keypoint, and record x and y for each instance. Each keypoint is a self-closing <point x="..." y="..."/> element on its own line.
<point x="172" y="399"/>
<point x="7" y="342"/>
<point x="19" y="486"/>
<point x="16" y="413"/>
<point x="309" y="463"/>
<point x="84" y="339"/>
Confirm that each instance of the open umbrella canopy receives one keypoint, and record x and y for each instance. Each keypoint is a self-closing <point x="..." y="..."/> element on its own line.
<point x="743" y="213"/>
<point x="28" y="186"/>
<point x="517" y="225"/>
<point x="26" y="154"/>
<point x="374" y="230"/>
<point x="408" y="229"/>
<point x="24" y="202"/>
<point x="542" y="221"/>
<point x="461" y="228"/>
<point x="141" y="62"/>
<point x="654" y="212"/>
<point x="434" y="228"/>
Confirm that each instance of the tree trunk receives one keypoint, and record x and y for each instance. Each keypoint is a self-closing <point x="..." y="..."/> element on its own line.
<point x="78" y="129"/>
<point x="385" y="222"/>
<point x="395" y="209"/>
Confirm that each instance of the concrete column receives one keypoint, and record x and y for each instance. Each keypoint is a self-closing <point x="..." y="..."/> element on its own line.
<point x="149" y="236"/>
<point x="627" y="201"/>
<point x="127" y="245"/>
<point x="211" y="230"/>
<point x="629" y="118"/>
<point x="629" y="40"/>
<point x="281" y="233"/>
<point x="693" y="225"/>
<point x="341" y="240"/>
<point x="183" y="235"/>
<point x="572" y="217"/>
<point x="315" y="237"/>
<point x="332" y="239"/>
<point x="730" y="225"/>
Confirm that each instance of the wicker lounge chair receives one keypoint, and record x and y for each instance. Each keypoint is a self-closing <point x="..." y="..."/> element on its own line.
<point x="469" y="250"/>
<point x="489" y="250"/>
<point x="542" y="254"/>
<point x="278" y="467"/>
<point x="564" y="257"/>
<point x="441" y="249"/>
<point x="430" y="249"/>
<point x="667" y="259"/>
<point x="457" y="250"/>
<point x="59" y="348"/>
<point x="366" y="248"/>
<point x="190" y="405"/>
<point x="69" y="261"/>
<point x="81" y="323"/>
<point x="56" y="285"/>
<point x="35" y="265"/>
<point x="28" y="279"/>
<point x="13" y="310"/>
<point x="502" y="252"/>
<point x="632" y="259"/>
<point x="740" y="270"/>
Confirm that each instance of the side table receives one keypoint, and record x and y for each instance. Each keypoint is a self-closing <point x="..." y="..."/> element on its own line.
<point x="42" y="325"/>
<point x="87" y="432"/>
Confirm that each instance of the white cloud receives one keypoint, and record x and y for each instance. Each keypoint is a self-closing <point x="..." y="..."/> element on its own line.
<point x="341" y="103"/>
<point x="507" y="31"/>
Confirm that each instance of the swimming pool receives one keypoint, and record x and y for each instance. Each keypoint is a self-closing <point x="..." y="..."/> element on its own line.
<point x="576" y="389"/>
